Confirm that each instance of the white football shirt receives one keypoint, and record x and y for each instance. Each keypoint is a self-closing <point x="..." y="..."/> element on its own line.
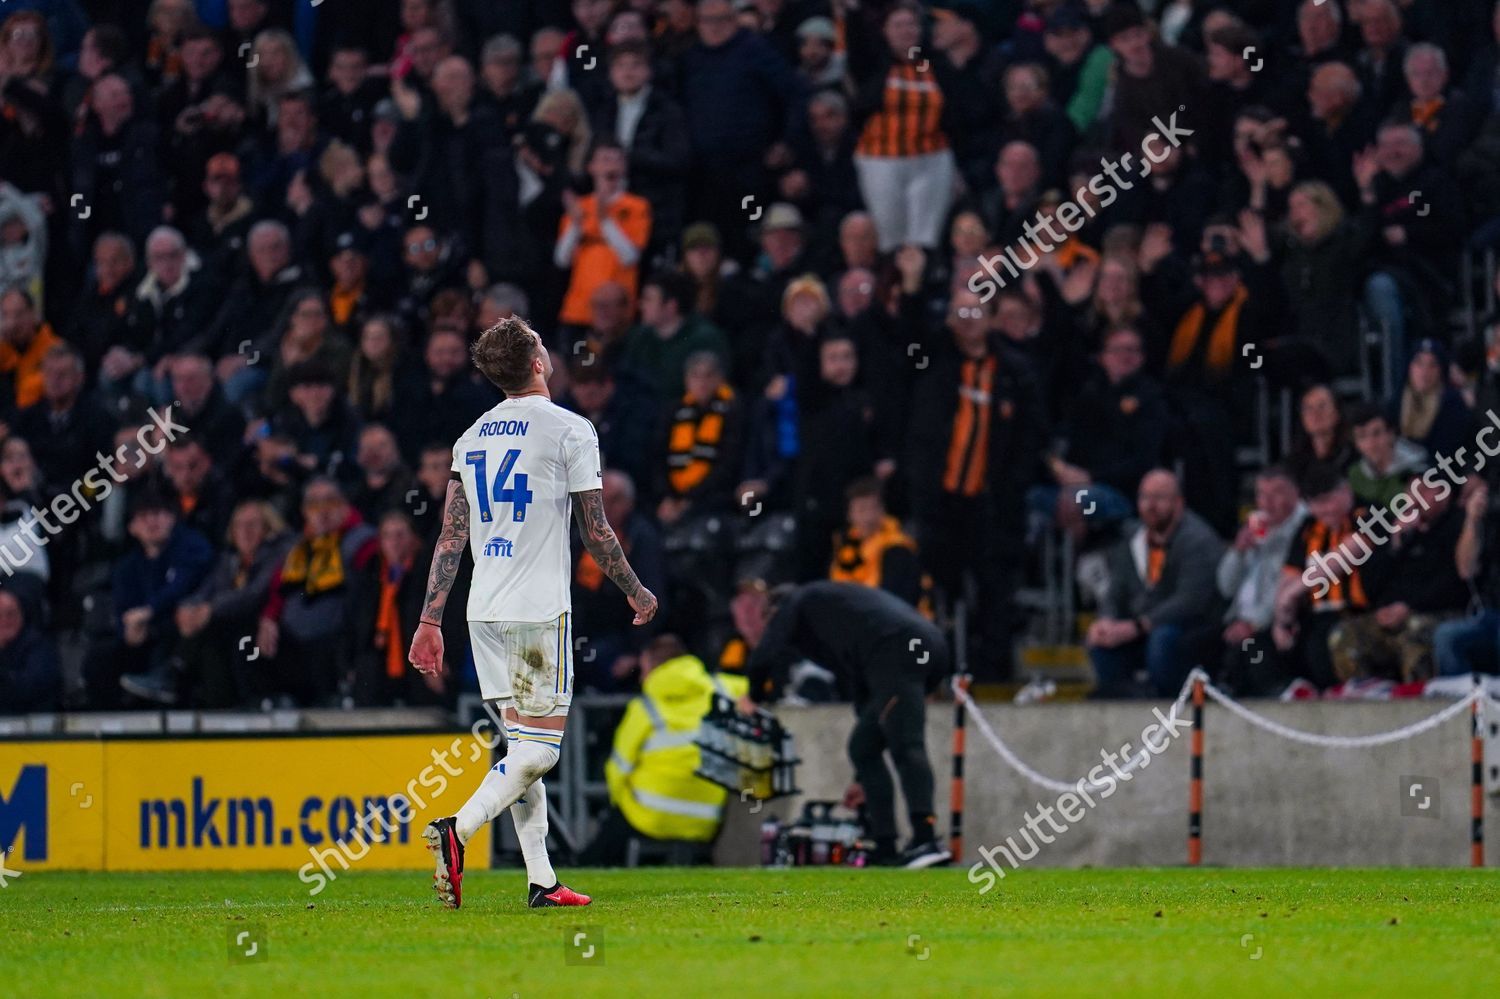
<point x="520" y="463"/>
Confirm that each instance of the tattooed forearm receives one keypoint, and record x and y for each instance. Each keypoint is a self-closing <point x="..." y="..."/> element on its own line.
<point x="449" y="552"/>
<point x="599" y="538"/>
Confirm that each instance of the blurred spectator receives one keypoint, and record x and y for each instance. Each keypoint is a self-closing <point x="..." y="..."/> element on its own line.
<point x="741" y="103"/>
<point x="115" y="166"/>
<point x="1114" y="434"/>
<point x="1151" y="77"/>
<point x="245" y="325"/>
<point x="385" y="602"/>
<point x="1249" y="575"/>
<point x="199" y="116"/>
<point x="173" y="302"/>
<point x="872" y="548"/>
<point x="318" y="423"/>
<point x="30" y="675"/>
<point x="166" y="563"/>
<point x="1415" y="245"/>
<point x="973" y="446"/>
<point x="25" y="339"/>
<point x="384" y="480"/>
<point x="1079" y="66"/>
<point x="1161" y="594"/>
<point x="1414" y="588"/>
<point x="670" y="331"/>
<point x="1322" y="437"/>
<point x="441" y="144"/>
<point x="1471" y="644"/>
<point x="374" y="366"/>
<point x="604" y="235"/>
<point x="1324" y="582"/>
<point x="101" y="316"/>
<point x="200" y="495"/>
<point x="904" y="115"/>
<point x="304" y="627"/>
<point x="66" y="427"/>
<point x="199" y="404"/>
<point x="700" y="458"/>
<point x="23" y="241"/>
<point x="1319" y="254"/>
<point x="1386" y="462"/>
<point x="304" y="337"/>
<point x="220" y="231"/>
<point x="1444" y="115"/>
<point x="21" y="485"/>
<point x="1429" y="411"/>
<point x="434" y="470"/>
<point x="650" y="128"/>
<point x="217" y="622"/>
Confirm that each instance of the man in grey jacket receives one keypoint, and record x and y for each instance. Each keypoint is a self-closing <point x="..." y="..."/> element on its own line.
<point x="1161" y="595"/>
<point x="1249" y="574"/>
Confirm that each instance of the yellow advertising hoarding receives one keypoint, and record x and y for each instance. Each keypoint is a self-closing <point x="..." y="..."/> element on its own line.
<point x="317" y="805"/>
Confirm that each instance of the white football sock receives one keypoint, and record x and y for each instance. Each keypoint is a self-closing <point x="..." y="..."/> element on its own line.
<point x="525" y="763"/>
<point x="530" y="816"/>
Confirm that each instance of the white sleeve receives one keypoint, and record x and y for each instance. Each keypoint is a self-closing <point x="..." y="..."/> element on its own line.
<point x="581" y="455"/>
<point x="624" y="249"/>
<point x="562" y="254"/>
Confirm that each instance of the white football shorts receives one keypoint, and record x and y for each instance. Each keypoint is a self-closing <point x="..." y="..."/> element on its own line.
<point x="530" y="664"/>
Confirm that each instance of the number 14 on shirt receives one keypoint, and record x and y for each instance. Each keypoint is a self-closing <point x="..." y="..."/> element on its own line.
<point x="517" y="495"/>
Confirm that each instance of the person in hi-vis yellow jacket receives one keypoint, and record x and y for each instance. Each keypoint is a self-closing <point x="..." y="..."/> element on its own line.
<point x="653" y="789"/>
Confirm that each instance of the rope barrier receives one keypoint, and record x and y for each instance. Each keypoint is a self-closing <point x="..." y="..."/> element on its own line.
<point x="1198" y="687"/>
<point x="961" y="696"/>
<point x="1342" y="741"/>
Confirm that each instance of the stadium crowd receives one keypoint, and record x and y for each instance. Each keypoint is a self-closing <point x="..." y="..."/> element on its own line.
<point x="872" y="291"/>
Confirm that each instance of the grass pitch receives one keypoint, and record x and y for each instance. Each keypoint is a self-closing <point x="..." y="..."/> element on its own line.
<point x="809" y="932"/>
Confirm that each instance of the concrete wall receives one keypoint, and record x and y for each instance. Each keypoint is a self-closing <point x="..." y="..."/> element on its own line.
<point x="1267" y="801"/>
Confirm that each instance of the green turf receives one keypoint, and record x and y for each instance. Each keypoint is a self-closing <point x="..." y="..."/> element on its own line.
<point x="680" y="933"/>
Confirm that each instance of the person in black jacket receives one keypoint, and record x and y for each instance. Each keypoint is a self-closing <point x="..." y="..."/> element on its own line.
<point x="521" y="207"/>
<point x="1114" y="434"/>
<point x="99" y="319"/>
<point x="166" y="563"/>
<point x="115" y="167"/>
<point x="442" y="143"/>
<point x="884" y="656"/>
<point x="743" y="104"/>
<point x="216" y="624"/>
<point x="1415" y="213"/>
<point x="1414" y="587"/>
<point x="651" y="129"/>
<point x="67" y="428"/>
<point x="974" y="444"/>
<point x="30" y="676"/>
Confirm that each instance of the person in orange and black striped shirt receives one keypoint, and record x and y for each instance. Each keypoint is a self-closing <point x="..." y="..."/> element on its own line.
<point x="904" y="157"/>
<point x="700" y="462"/>
<point x="974" y="442"/>
<point x="1323" y="583"/>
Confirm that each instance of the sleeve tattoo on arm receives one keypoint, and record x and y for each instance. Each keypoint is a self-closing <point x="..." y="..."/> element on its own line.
<point x="448" y="553"/>
<point x="599" y="538"/>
